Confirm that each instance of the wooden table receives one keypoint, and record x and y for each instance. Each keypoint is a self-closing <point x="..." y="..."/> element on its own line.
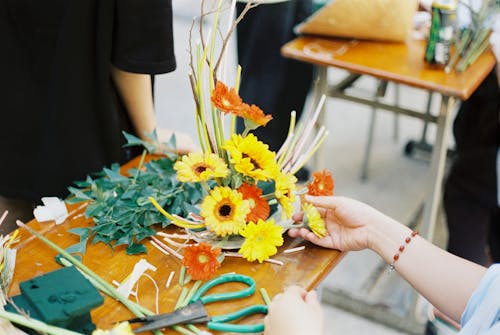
<point x="306" y="268"/>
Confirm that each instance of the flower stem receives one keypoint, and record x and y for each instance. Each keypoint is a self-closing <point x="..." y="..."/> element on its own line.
<point x="182" y="276"/>
<point x="265" y="296"/>
<point x="84" y="268"/>
<point x="96" y="280"/>
<point x="35" y="324"/>
<point x="139" y="167"/>
<point x="193" y="290"/>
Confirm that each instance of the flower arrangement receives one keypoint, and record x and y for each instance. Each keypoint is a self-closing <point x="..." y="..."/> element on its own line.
<point x="249" y="191"/>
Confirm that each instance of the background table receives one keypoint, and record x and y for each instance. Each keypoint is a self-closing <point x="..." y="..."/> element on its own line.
<point x="399" y="63"/>
<point x="306" y="268"/>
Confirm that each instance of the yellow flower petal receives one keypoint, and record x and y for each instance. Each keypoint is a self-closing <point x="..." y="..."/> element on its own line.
<point x="285" y="192"/>
<point x="120" y="329"/>
<point x="196" y="167"/>
<point x="224" y="211"/>
<point x="251" y="157"/>
<point x="313" y="220"/>
<point x="261" y="240"/>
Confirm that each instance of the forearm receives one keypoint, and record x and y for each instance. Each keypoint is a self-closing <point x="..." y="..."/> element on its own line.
<point x="136" y="93"/>
<point x="445" y="280"/>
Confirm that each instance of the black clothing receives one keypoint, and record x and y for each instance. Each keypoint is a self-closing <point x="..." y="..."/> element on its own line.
<point x="470" y="197"/>
<point x="61" y="115"/>
<point x="276" y="84"/>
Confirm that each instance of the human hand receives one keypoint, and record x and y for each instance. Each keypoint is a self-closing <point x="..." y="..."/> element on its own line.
<point x="184" y="141"/>
<point x="350" y="224"/>
<point x="295" y="312"/>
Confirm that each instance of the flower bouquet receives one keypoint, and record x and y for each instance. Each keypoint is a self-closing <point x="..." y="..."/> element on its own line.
<point x="249" y="191"/>
<point x="234" y="193"/>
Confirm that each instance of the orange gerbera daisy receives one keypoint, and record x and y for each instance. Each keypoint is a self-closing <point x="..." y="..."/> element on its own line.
<point x="259" y="208"/>
<point x="201" y="261"/>
<point x="322" y="183"/>
<point x="226" y="99"/>
<point x="255" y="115"/>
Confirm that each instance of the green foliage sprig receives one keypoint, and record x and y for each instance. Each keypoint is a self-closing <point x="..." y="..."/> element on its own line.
<point x="119" y="204"/>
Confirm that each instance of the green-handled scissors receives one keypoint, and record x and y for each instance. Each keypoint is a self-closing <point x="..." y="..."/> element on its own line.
<point x="195" y="311"/>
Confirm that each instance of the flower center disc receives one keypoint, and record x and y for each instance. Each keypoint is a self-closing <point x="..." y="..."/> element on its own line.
<point x="224" y="210"/>
<point x="200" y="169"/>
<point x="253" y="161"/>
<point x="202" y="259"/>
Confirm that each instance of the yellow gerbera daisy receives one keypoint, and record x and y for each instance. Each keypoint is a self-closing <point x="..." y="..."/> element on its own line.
<point x="120" y="329"/>
<point x="224" y="211"/>
<point x="251" y="157"/>
<point x="313" y="220"/>
<point x="261" y="240"/>
<point x="196" y="167"/>
<point x="285" y="192"/>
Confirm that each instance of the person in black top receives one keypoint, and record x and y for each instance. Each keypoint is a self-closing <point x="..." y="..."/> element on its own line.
<point x="75" y="74"/>
<point x="272" y="82"/>
<point x="471" y="193"/>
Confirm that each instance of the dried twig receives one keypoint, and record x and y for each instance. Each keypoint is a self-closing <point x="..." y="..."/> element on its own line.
<point x="167" y="248"/>
<point x="269" y="260"/>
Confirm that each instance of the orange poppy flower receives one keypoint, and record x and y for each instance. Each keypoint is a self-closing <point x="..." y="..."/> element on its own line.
<point x="201" y="261"/>
<point x="255" y="114"/>
<point x="226" y="99"/>
<point x="322" y="183"/>
<point x="259" y="208"/>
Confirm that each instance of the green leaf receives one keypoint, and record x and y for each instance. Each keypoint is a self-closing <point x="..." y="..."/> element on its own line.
<point x="122" y="240"/>
<point x="82" y="232"/>
<point x="134" y="140"/>
<point x="172" y="142"/>
<point x="78" y="193"/>
<point x="236" y="181"/>
<point x="135" y="249"/>
<point x="78" y="248"/>
<point x="115" y="176"/>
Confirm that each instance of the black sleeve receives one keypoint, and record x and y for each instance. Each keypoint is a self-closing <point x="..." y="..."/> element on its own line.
<point x="143" y="36"/>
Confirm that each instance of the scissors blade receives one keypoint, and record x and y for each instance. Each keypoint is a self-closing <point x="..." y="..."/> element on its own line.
<point x="192" y="313"/>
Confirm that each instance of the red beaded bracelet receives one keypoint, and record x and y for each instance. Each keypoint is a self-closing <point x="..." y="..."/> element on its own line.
<point x="401" y="249"/>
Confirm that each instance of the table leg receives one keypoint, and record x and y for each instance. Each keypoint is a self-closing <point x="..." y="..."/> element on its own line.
<point x="320" y="89"/>
<point x="433" y="193"/>
<point x="379" y="93"/>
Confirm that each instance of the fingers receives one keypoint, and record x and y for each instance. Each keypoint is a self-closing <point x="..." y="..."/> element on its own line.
<point x="298" y="232"/>
<point x="322" y="201"/>
<point x="291" y="293"/>
<point x="309" y="236"/>
<point x="297" y="217"/>
<point x="311" y="298"/>
<point x="296" y="290"/>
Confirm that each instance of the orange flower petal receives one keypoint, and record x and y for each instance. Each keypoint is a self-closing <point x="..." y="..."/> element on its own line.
<point x="322" y="184"/>
<point x="255" y="114"/>
<point x="201" y="261"/>
<point x="226" y="99"/>
<point x="259" y="207"/>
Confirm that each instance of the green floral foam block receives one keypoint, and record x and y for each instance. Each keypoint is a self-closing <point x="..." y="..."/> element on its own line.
<point x="61" y="298"/>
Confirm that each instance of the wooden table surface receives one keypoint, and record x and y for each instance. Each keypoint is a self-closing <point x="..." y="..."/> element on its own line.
<point x="398" y="62"/>
<point x="306" y="268"/>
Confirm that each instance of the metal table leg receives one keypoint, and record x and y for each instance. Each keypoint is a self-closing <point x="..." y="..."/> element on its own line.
<point x="434" y="184"/>
<point x="379" y="92"/>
